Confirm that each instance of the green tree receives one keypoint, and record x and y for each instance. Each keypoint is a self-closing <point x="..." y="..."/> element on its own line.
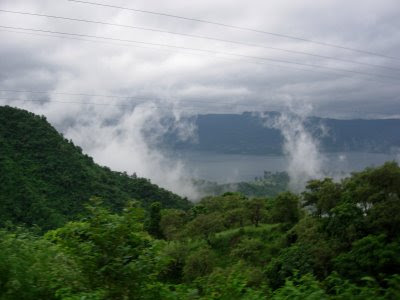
<point x="295" y="259"/>
<point x="229" y="283"/>
<point x="113" y="251"/>
<point x="172" y="222"/>
<point x="322" y="196"/>
<point x="205" y="226"/>
<point x="199" y="263"/>
<point x="370" y="256"/>
<point x="153" y="221"/>
<point x="285" y="209"/>
<point x="306" y="287"/>
<point x="250" y="249"/>
<point x="256" y="210"/>
<point x="33" y="268"/>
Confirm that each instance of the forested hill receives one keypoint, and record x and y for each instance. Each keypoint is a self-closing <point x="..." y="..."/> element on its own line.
<point x="246" y="133"/>
<point x="335" y="240"/>
<point x="45" y="179"/>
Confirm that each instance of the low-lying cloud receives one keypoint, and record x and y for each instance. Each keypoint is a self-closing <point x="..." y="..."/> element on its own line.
<point x="130" y="142"/>
<point x="301" y="148"/>
<point x="126" y="138"/>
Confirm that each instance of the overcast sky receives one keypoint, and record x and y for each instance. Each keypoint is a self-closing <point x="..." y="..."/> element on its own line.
<point x="183" y="82"/>
<point x="206" y="82"/>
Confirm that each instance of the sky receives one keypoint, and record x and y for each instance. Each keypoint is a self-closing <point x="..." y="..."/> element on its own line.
<point x="132" y="85"/>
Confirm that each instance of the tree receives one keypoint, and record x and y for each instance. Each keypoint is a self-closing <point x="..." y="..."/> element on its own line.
<point x="113" y="251"/>
<point x="249" y="249"/>
<point x="295" y="259"/>
<point x="235" y="217"/>
<point x="306" y="287"/>
<point x="285" y="209"/>
<point x="384" y="217"/>
<point x="33" y="268"/>
<point x="322" y="196"/>
<point x="172" y="222"/>
<point x="199" y="263"/>
<point x="370" y="256"/>
<point x="205" y="226"/>
<point x="153" y="222"/>
<point x="256" y="210"/>
<point x="230" y="283"/>
<point x="346" y="224"/>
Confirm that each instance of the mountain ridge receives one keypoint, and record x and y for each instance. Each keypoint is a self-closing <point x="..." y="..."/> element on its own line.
<point x="246" y="134"/>
<point x="46" y="179"/>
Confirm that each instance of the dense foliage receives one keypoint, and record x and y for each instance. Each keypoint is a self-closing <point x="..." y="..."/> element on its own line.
<point x="334" y="241"/>
<point x="45" y="179"/>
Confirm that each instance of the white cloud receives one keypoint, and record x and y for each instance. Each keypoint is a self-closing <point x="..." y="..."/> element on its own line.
<point x="191" y="81"/>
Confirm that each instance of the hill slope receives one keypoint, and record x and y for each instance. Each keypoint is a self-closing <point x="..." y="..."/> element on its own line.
<point x="46" y="179"/>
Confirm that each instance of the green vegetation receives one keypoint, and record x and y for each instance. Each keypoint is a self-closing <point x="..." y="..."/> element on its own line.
<point x="45" y="180"/>
<point x="336" y="240"/>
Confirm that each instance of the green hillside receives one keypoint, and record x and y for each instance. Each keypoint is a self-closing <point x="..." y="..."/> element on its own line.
<point x="335" y="240"/>
<point x="45" y="179"/>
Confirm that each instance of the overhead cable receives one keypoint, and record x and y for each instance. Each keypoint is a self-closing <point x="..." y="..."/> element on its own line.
<point x="204" y="51"/>
<point x="199" y="37"/>
<point x="237" y="28"/>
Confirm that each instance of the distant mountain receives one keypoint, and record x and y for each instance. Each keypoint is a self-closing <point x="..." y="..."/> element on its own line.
<point x="45" y="180"/>
<point x="245" y="133"/>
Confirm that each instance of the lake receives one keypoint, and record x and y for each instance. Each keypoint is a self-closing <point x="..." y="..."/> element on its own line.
<point x="242" y="167"/>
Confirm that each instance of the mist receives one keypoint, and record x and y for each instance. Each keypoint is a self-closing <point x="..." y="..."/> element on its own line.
<point x="129" y="141"/>
<point x="301" y="148"/>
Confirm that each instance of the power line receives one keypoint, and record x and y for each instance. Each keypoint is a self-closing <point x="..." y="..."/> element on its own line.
<point x="148" y="99"/>
<point x="186" y="53"/>
<point x="238" y="28"/>
<point x="104" y="42"/>
<point x="204" y="51"/>
<point x="175" y="51"/>
<point x="74" y="94"/>
<point x="67" y="102"/>
<point x="131" y="105"/>
<point x="84" y="103"/>
<point x="198" y="36"/>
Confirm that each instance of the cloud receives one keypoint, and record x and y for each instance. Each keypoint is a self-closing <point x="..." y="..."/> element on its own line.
<point x="76" y="65"/>
<point x="305" y="161"/>
<point x="130" y="145"/>
<point x="183" y="83"/>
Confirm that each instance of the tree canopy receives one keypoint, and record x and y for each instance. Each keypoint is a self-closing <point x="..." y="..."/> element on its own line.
<point x="336" y="240"/>
<point x="46" y="180"/>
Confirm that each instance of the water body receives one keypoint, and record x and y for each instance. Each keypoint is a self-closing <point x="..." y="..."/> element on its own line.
<point x="225" y="168"/>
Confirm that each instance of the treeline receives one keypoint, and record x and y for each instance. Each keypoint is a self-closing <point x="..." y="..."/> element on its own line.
<point x="333" y="241"/>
